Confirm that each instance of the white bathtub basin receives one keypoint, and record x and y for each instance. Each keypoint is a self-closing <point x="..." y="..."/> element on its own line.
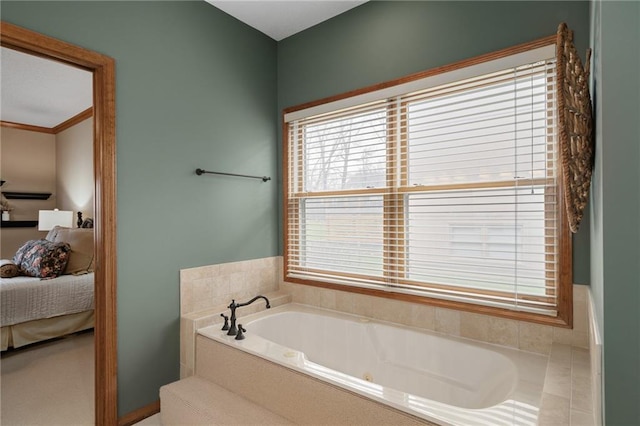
<point x="439" y="378"/>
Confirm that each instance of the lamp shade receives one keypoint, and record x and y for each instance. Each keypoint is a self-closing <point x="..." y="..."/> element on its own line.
<point x="48" y="219"/>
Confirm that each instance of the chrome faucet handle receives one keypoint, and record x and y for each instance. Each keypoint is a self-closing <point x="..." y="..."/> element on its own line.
<point x="241" y="331"/>
<point x="226" y="322"/>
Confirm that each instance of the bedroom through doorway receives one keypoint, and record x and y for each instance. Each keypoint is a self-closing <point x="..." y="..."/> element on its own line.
<point x="101" y="348"/>
<point x="46" y="165"/>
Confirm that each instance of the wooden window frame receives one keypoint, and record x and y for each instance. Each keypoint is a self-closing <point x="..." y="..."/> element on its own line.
<point x="394" y="205"/>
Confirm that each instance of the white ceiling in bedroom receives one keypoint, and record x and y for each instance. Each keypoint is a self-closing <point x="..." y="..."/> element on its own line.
<point x="41" y="92"/>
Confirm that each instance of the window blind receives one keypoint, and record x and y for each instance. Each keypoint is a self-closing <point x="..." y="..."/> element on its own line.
<point x="449" y="191"/>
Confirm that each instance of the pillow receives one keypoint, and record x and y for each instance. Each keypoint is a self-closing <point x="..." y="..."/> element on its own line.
<point x="51" y="236"/>
<point x="42" y="258"/>
<point x="8" y="269"/>
<point x="81" y="255"/>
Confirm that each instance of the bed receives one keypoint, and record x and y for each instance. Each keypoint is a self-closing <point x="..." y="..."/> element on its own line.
<point x="33" y="309"/>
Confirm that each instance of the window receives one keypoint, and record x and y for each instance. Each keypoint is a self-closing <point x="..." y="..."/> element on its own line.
<point x="443" y="187"/>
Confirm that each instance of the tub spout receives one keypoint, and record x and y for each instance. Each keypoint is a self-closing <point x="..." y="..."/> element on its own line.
<point x="233" y="329"/>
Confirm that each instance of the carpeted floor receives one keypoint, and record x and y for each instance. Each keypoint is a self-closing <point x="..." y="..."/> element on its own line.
<point x="48" y="383"/>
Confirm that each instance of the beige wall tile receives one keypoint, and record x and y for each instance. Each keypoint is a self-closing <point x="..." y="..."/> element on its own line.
<point x="474" y="326"/>
<point x="206" y="288"/>
<point x="186" y="297"/>
<point x="580" y="339"/>
<point x="489" y="329"/>
<point x="309" y="295"/>
<point x="395" y="311"/>
<point x="554" y="411"/>
<point x="580" y="292"/>
<point x="503" y="332"/>
<point x="562" y="335"/>
<point x="535" y="337"/>
<point x="202" y="293"/>
<point x="580" y="386"/>
<point x="558" y="380"/>
<point x="581" y="398"/>
<point x="208" y="319"/>
<point x="230" y="268"/>
<point x="327" y="298"/>
<point x="510" y="333"/>
<point x="221" y="289"/>
<point x="187" y="343"/>
<point x="448" y="321"/>
<point x="267" y="279"/>
<point x="210" y="270"/>
<point x="236" y="283"/>
<point x="280" y="268"/>
<point x="194" y="321"/>
<point x="560" y="355"/>
<point x="581" y="418"/>
<point x="580" y="316"/>
<point x="287" y="287"/>
<point x="265" y="262"/>
<point x="253" y="279"/>
<point x="296" y="293"/>
<point x="580" y="357"/>
<point x="192" y="273"/>
<point x="186" y="326"/>
<point x="423" y="316"/>
<point x="364" y="305"/>
<point x="344" y="301"/>
<point x="571" y="337"/>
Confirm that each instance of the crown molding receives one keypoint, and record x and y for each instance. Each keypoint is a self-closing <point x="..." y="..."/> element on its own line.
<point x="28" y="127"/>
<point x="87" y="113"/>
<point x="52" y="130"/>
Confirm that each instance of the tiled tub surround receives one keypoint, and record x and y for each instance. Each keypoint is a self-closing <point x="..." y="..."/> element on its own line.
<point x="206" y="287"/>
<point x="571" y="393"/>
<point x="505" y="332"/>
<point x="567" y="394"/>
<point x="206" y="291"/>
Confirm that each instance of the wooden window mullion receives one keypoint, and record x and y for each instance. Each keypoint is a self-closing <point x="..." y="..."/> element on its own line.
<point x="394" y="208"/>
<point x="551" y="197"/>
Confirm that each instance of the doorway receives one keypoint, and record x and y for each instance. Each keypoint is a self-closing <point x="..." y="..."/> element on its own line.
<point x="104" y="159"/>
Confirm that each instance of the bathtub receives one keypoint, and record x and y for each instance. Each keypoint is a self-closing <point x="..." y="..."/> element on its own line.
<point x="438" y="378"/>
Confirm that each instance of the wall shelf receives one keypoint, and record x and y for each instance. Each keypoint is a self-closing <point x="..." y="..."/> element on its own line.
<point x="18" y="223"/>
<point x="26" y="195"/>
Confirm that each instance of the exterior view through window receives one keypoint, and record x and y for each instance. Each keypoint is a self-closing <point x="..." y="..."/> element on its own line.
<point x="447" y="191"/>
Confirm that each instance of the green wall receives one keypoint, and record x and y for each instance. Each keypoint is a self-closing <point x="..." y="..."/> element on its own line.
<point x="194" y="88"/>
<point x="385" y="40"/>
<point x="615" y="204"/>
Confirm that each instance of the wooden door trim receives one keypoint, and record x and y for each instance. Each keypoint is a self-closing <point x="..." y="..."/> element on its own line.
<point x="104" y="160"/>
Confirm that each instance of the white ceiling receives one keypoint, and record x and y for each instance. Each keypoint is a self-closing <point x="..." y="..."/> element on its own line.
<point x="280" y="19"/>
<point x="41" y="92"/>
<point x="45" y="93"/>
